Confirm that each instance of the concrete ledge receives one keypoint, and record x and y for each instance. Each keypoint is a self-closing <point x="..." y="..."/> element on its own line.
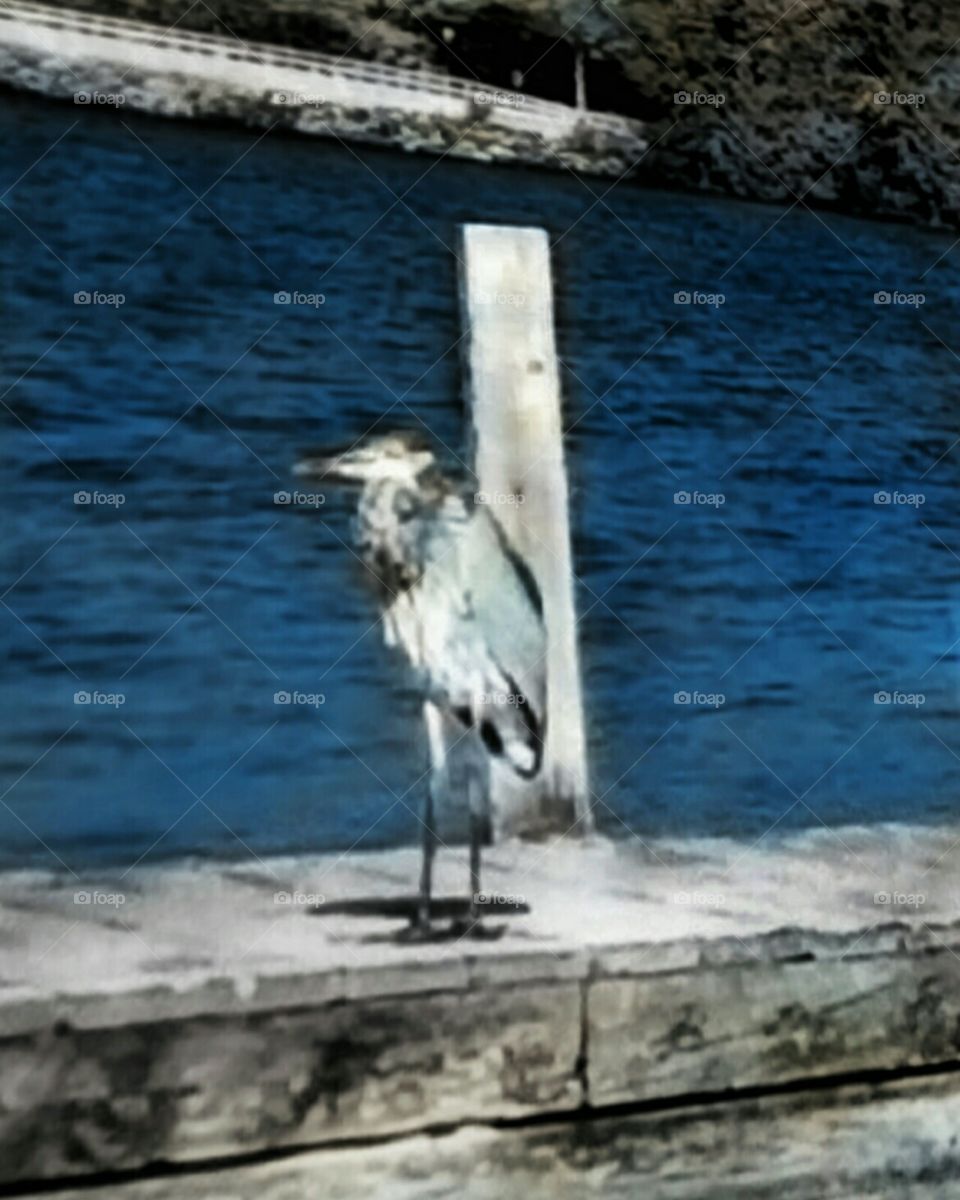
<point x="896" y="1141"/>
<point x="191" y="1011"/>
<point x="209" y="1086"/>
<point x="757" y="1025"/>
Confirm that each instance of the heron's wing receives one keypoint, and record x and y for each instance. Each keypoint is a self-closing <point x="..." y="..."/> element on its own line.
<point x="473" y="628"/>
<point x="506" y="602"/>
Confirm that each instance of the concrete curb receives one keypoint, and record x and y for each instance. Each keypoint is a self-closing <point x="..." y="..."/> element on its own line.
<point x="310" y="1030"/>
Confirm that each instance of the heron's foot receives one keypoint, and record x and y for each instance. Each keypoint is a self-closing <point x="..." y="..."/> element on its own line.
<point x="419" y="930"/>
<point x="475" y="927"/>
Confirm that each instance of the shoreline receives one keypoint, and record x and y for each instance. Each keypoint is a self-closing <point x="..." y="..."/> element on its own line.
<point x="859" y="124"/>
<point x="120" y="64"/>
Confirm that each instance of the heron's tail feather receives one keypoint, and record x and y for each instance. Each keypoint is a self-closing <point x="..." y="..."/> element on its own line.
<point x="511" y="729"/>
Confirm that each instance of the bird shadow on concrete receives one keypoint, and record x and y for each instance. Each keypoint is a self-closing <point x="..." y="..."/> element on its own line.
<point x="453" y="909"/>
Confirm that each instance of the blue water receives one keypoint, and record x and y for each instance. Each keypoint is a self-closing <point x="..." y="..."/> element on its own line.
<point x="693" y="598"/>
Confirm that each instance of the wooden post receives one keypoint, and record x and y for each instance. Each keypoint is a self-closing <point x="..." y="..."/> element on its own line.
<point x="513" y="388"/>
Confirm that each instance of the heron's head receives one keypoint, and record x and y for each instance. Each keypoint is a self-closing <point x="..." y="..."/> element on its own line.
<point x="398" y="456"/>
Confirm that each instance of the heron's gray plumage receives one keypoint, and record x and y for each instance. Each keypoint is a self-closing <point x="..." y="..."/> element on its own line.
<point x="457" y="598"/>
<point x="462" y="606"/>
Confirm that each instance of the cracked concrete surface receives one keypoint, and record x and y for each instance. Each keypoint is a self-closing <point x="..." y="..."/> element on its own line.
<point x="197" y="1010"/>
<point x="192" y="936"/>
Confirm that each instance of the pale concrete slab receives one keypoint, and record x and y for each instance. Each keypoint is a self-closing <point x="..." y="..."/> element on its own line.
<point x="195" y="1011"/>
<point x="193" y="937"/>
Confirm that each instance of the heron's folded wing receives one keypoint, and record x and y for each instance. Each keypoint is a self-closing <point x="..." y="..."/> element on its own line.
<point x="481" y="632"/>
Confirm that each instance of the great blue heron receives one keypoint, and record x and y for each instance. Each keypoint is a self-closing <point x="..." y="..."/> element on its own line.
<point x="463" y="606"/>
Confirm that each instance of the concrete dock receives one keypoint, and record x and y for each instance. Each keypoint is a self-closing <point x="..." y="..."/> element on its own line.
<point x="199" y="1013"/>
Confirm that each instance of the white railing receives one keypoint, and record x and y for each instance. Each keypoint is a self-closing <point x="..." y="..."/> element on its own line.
<point x="378" y="74"/>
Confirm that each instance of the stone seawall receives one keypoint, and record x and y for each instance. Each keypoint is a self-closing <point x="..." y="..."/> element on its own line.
<point x="125" y="64"/>
<point x="201" y="1012"/>
<point x="845" y="104"/>
<point x="892" y="1141"/>
<point x="530" y="1035"/>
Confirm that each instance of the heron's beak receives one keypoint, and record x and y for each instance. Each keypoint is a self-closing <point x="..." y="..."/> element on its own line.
<point x="349" y="467"/>
<point x="313" y="466"/>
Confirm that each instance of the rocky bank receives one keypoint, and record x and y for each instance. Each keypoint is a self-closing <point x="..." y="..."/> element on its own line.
<point x="844" y="104"/>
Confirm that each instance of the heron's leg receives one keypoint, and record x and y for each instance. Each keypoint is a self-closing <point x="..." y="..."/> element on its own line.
<point x="434" y="723"/>
<point x="426" y="862"/>
<point x="476" y="799"/>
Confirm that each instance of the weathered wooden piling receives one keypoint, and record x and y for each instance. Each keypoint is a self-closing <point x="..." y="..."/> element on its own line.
<point x="513" y="388"/>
